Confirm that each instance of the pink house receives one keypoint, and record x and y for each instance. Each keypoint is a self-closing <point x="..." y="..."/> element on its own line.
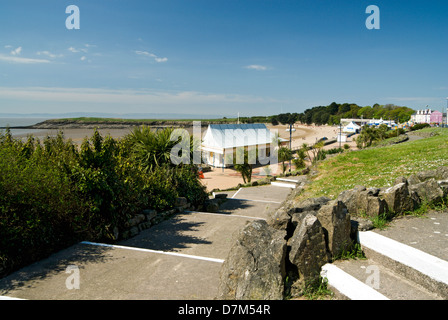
<point x="436" y="117"/>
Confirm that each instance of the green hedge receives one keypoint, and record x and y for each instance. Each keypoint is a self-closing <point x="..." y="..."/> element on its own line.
<point x="54" y="194"/>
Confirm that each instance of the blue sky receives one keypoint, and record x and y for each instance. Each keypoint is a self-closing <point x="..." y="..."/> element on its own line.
<point x="220" y="57"/>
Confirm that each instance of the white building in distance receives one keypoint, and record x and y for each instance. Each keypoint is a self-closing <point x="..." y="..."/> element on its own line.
<point x="221" y="141"/>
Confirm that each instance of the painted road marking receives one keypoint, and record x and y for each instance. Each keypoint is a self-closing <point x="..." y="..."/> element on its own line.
<point x="425" y="263"/>
<point x="236" y="193"/>
<point x="348" y="285"/>
<point x="226" y="215"/>
<point x="153" y="251"/>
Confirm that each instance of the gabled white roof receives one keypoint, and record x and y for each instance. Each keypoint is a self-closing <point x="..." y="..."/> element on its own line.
<point x="353" y="125"/>
<point x="224" y="136"/>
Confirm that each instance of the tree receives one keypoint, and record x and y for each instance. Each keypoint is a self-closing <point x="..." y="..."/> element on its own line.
<point x="318" y="151"/>
<point x="244" y="167"/>
<point x="284" y="154"/>
<point x="274" y="120"/>
<point x="299" y="162"/>
<point x="152" y="149"/>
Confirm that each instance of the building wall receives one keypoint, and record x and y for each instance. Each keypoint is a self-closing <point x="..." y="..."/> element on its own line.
<point x="436" y="117"/>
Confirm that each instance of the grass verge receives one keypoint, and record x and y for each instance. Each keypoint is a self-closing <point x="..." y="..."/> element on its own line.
<point x="378" y="167"/>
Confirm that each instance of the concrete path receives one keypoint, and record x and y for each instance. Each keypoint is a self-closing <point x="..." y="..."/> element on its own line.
<point x="406" y="261"/>
<point x="178" y="259"/>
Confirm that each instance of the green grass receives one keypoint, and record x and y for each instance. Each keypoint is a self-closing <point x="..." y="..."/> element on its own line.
<point x="378" y="167"/>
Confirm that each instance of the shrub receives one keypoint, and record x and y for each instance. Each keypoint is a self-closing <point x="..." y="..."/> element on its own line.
<point x="54" y="194"/>
<point x="420" y="126"/>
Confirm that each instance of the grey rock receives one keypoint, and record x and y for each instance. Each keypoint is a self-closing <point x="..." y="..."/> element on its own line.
<point x="335" y="221"/>
<point x="426" y="175"/>
<point x="211" y="206"/>
<point x="362" y="201"/>
<point x="312" y="204"/>
<point x="180" y="202"/>
<point x="308" y="253"/>
<point x="280" y="219"/>
<point x="398" y="198"/>
<point x="255" y="266"/>
<point x="428" y="191"/>
<point x="413" y="179"/>
<point x="220" y="196"/>
<point x="150" y="214"/>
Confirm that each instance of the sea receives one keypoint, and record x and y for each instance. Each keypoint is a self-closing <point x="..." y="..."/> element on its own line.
<point x="20" y="122"/>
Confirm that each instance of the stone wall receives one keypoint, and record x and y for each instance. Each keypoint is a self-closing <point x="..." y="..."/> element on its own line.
<point x="148" y="218"/>
<point x="278" y="257"/>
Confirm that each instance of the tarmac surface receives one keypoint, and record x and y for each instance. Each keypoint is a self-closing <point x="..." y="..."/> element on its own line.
<point x="178" y="259"/>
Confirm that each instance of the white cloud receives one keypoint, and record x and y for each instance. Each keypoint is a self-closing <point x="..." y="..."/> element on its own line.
<point x="151" y="55"/>
<point x="161" y="59"/>
<point x="83" y="58"/>
<point x="16" y="51"/>
<point x="49" y="54"/>
<point x="74" y="50"/>
<point x="14" y="59"/>
<point x="256" y="67"/>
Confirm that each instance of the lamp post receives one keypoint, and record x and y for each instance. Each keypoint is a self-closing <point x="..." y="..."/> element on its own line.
<point x="290" y="144"/>
<point x="340" y="134"/>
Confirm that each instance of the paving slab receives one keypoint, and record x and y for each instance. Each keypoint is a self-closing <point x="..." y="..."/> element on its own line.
<point x="177" y="259"/>
<point x="428" y="233"/>
<point x="268" y="193"/>
<point x="114" y="274"/>
<point x="249" y="208"/>
<point x="384" y="281"/>
<point x="194" y="233"/>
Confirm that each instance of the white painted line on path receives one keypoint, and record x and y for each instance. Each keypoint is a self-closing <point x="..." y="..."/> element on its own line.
<point x="9" y="298"/>
<point x="349" y="286"/>
<point x="266" y="201"/>
<point x="283" y="185"/>
<point x="153" y="251"/>
<point x="227" y="215"/>
<point x="423" y="262"/>
<point x="236" y="193"/>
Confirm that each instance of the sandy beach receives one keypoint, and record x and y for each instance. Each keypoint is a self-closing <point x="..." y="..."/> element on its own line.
<point x="220" y="178"/>
<point x="227" y="178"/>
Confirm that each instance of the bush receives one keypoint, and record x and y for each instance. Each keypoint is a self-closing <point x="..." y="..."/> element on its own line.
<point x="420" y="126"/>
<point x="54" y="194"/>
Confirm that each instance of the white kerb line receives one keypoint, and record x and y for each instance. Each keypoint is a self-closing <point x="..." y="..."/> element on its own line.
<point x="153" y="251"/>
<point x="236" y="193"/>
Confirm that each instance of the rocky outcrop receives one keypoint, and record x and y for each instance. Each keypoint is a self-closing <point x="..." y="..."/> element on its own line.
<point x="255" y="269"/>
<point x="361" y="200"/>
<point x="307" y="253"/>
<point x="398" y="198"/>
<point x="312" y="232"/>
<point x="405" y="195"/>
<point x="280" y="256"/>
<point x="335" y="222"/>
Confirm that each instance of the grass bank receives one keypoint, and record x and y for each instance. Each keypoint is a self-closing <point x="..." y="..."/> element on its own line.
<point x="379" y="167"/>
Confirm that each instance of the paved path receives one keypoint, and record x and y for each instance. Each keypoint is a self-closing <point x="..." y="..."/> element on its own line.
<point x="178" y="259"/>
<point x="406" y="261"/>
